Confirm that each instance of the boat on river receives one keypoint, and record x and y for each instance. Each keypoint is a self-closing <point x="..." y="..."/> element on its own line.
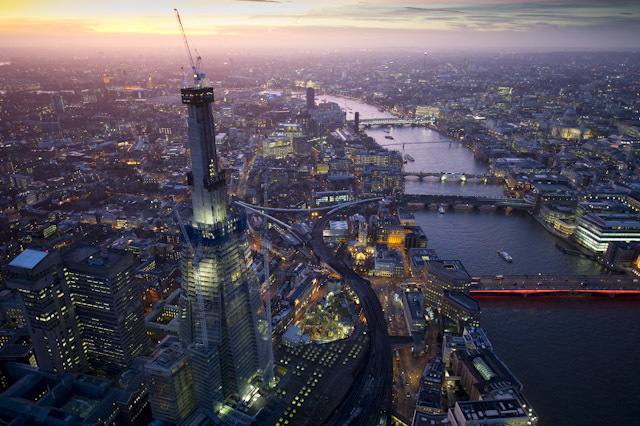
<point x="407" y="157"/>
<point x="505" y="256"/>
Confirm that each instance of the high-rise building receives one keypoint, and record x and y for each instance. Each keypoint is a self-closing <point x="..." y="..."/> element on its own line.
<point x="170" y="382"/>
<point x="441" y="276"/>
<point x="57" y="103"/>
<point x="234" y="350"/>
<point x="38" y="279"/>
<point x="108" y="306"/>
<point x="311" y="98"/>
<point x="459" y="311"/>
<point x="36" y="397"/>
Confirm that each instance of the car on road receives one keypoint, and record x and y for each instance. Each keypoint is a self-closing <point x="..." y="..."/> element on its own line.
<point x="408" y="395"/>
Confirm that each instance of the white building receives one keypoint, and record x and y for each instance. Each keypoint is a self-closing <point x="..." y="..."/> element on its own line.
<point x="596" y="230"/>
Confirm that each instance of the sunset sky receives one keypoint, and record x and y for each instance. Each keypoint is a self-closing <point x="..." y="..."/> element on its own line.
<point x="430" y="24"/>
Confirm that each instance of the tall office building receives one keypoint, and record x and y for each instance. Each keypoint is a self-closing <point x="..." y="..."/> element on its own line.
<point x="108" y="307"/>
<point x="57" y="103"/>
<point x="311" y="98"/>
<point x="441" y="276"/>
<point x="38" y="279"/>
<point x="234" y="354"/>
<point x="170" y="382"/>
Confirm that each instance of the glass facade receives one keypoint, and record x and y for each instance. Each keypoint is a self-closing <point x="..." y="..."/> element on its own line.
<point x="235" y="352"/>
<point x="108" y="307"/>
<point x="49" y="312"/>
<point x="596" y="231"/>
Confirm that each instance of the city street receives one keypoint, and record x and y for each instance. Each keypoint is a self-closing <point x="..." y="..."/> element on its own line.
<point x="407" y="368"/>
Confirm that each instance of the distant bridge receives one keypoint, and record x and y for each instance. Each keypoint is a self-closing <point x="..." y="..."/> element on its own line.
<point x="463" y="177"/>
<point x="395" y="121"/>
<point x="466" y="200"/>
<point x="566" y="285"/>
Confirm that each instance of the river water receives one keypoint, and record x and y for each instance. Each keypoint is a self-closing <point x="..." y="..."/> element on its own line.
<point x="576" y="357"/>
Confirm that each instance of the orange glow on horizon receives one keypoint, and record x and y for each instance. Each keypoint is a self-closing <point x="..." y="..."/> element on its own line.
<point x="431" y="24"/>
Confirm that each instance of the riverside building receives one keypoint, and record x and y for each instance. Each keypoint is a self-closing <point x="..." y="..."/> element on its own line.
<point x="444" y="275"/>
<point x="596" y="230"/>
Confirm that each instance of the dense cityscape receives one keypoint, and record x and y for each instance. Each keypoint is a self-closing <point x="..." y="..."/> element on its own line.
<point x="260" y="239"/>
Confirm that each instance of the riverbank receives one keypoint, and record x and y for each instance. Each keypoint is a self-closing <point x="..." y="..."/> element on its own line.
<point x="577" y="247"/>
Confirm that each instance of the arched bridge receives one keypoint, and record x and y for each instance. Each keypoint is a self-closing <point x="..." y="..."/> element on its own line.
<point x="454" y="177"/>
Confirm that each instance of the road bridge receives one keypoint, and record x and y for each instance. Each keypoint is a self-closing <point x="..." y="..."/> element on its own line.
<point x="453" y="176"/>
<point x="395" y="121"/>
<point x="567" y="285"/>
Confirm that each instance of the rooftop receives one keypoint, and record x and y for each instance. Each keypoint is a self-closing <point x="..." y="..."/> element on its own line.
<point x="28" y="259"/>
<point x="494" y="375"/>
<point x="91" y="255"/>
<point x="463" y="300"/>
<point x="426" y="419"/>
<point x="452" y="269"/>
<point x="616" y="220"/>
<point x="476" y="338"/>
<point x="489" y="410"/>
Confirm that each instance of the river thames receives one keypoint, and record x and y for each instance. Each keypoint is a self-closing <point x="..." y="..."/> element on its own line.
<point x="576" y="357"/>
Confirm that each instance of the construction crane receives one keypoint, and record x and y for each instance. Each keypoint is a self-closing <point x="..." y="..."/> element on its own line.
<point x="197" y="258"/>
<point x="266" y="245"/>
<point x="198" y="75"/>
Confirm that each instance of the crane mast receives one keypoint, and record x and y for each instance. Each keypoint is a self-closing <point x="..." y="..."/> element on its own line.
<point x="198" y="75"/>
<point x="266" y="245"/>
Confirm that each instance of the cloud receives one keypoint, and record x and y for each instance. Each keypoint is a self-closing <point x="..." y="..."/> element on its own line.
<point x="48" y="26"/>
<point x="393" y="19"/>
<point x="492" y="15"/>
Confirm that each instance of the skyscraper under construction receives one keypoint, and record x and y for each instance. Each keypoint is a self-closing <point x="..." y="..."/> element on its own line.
<point x="229" y="353"/>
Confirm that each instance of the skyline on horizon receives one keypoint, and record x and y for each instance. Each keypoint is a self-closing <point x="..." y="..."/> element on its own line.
<point x="294" y="24"/>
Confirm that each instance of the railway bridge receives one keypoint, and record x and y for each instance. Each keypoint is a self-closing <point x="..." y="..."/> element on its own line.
<point x="466" y="200"/>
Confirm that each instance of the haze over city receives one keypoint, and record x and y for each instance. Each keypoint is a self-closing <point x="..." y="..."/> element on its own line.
<point x="147" y="26"/>
<point x="294" y="213"/>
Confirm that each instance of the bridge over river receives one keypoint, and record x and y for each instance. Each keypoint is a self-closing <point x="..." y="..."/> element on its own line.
<point x="395" y="121"/>
<point x="455" y="177"/>
<point x="566" y="285"/>
<point x="466" y="201"/>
